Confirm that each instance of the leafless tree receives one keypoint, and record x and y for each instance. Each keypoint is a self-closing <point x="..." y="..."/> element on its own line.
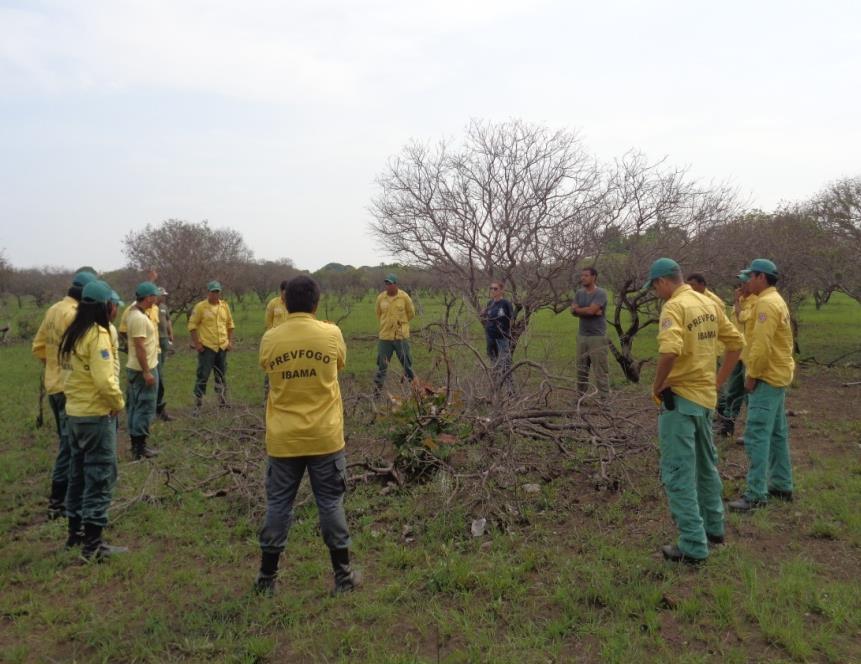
<point x="837" y="210"/>
<point x="654" y="211"/>
<point x="263" y="277"/>
<point x="186" y="256"/>
<point x="516" y="201"/>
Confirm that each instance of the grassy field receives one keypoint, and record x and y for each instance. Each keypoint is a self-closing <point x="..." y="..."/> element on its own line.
<point x="575" y="577"/>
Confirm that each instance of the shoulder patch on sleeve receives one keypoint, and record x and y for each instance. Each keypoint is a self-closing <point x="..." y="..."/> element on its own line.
<point x="666" y="323"/>
<point x="762" y="317"/>
<point x="105" y="354"/>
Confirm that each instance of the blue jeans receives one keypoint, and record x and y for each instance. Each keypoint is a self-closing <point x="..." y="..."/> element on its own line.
<point x="499" y="352"/>
<point x="64" y="454"/>
<point x="328" y="475"/>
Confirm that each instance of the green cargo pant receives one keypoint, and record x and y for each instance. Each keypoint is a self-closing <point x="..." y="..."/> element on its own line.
<point x="385" y="349"/>
<point x="689" y="474"/>
<point x="140" y="402"/>
<point x="766" y="441"/>
<point x="61" y="463"/>
<point x="593" y="352"/>
<point x="93" y="468"/>
<point x="733" y="396"/>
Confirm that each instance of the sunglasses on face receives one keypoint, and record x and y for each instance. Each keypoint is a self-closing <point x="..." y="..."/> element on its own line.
<point x="494" y="288"/>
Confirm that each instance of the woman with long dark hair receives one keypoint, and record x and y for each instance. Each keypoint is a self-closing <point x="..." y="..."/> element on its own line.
<point x="93" y="399"/>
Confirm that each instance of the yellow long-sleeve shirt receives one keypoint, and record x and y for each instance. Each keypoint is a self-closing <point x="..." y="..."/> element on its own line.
<point x="46" y="343"/>
<point x="745" y="319"/>
<point x="304" y="412"/>
<point x="394" y="312"/>
<point x="276" y="312"/>
<point x="91" y="384"/>
<point x="691" y="325"/>
<point x="212" y="322"/>
<point x="769" y="357"/>
<point x="714" y="297"/>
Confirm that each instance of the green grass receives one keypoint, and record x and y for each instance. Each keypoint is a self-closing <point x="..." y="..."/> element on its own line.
<point x="570" y="580"/>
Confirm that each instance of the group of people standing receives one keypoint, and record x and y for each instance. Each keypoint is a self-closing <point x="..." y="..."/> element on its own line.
<point x="696" y="399"/>
<point x="302" y="356"/>
<point x="80" y="349"/>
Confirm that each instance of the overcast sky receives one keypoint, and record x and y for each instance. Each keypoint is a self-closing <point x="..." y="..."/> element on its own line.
<point x="274" y="117"/>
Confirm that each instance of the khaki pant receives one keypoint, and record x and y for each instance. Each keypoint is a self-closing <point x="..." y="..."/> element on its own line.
<point x="592" y="352"/>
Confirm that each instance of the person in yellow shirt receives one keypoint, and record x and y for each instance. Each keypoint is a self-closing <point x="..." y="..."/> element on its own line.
<point x="142" y="369"/>
<point x="697" y="281"/>
<point x="395" y="310"/>
<point x="276" y="311"/>
<point x="770" y="368"/>
<point x="152" y="313"/>
<point x="304" y="430"/>
<point x="93" y="400"/>
<point x="686" y="387"/>
<point x="211" y="328"/>
<point x="733" y="395"/>
<point x="45" y="345"/>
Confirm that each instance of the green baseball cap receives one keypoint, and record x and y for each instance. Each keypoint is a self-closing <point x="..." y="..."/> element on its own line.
<point x="391" y="278"/>
<point x="97" y="291"/>
<point x="763" y="265"/>
<point x="663" y="267"/>
<point x="213" y="286"/>
<point x="743" y="276"/>
<point x="82" y="278"/>
<point x="146" y="288"/>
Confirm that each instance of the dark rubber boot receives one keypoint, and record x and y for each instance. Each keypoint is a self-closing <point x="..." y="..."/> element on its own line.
<point x="94" y="549"/>
<point x="268" y="574"/>
<point x="346" y="578"/>
<point x="674" y="554"/>
<point x="57" y="500"/>
<point x="76" y="533"/>
<point x="140" y="449"/>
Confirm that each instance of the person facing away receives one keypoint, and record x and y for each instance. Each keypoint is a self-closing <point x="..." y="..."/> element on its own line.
<point x="394" y="310"/>
<point x="590" y="304"/>
<point x="686" y="387"/>
<point x="304" y="431"/>
<point x="497" y="317"/>
<point x="211" y="328"/>
<point x="45" y="346"/>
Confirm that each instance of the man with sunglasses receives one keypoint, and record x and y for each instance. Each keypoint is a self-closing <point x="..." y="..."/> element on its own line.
<point x="497" y="317"/>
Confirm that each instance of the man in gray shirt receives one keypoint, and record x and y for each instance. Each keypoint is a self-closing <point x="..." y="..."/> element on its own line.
<point x="589" y="306"/>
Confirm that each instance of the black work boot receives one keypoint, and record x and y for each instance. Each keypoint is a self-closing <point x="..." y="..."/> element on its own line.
<point x="780" y="494"/>
<point x="94" y="549"/>
<point x="76" y="533"/>
<point x="715" y="539"/>
<point x="164" y="416"/>
<point x="675" y="554"/>
<point x="268" y="574"/>
<point x="346" y="578"/>
<point x="140" y="449"/>
<point x="57" y="500"/>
